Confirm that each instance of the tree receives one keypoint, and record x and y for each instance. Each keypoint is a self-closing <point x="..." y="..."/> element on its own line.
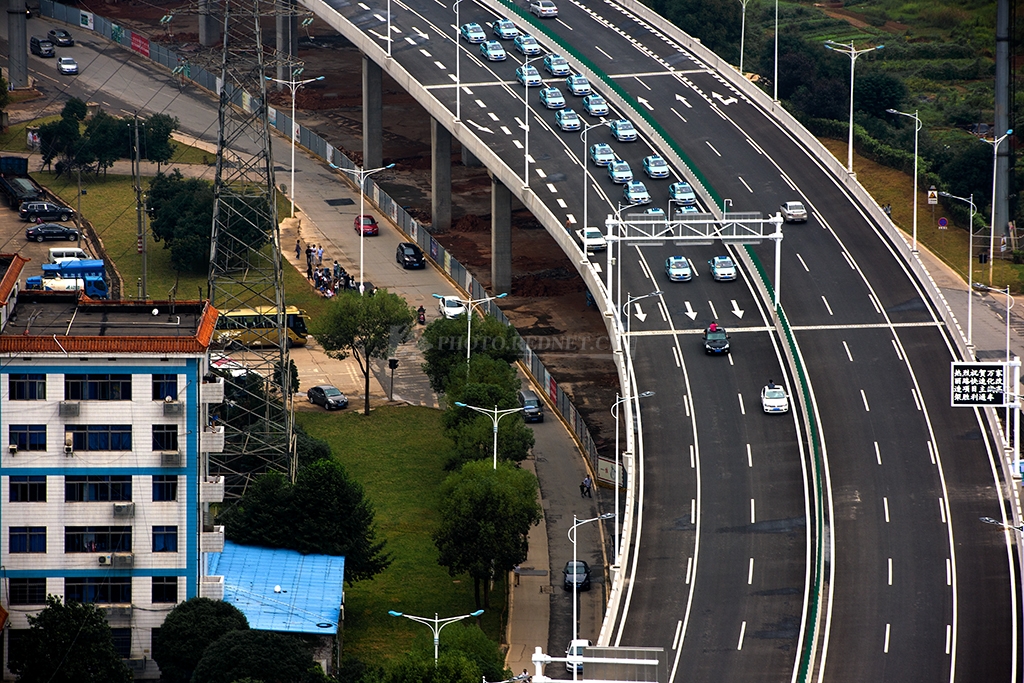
<point x="367" y="327"/>
<point x="159" y="146"/>
<point x="183" y="219"/>
<point x="467" y="638"/>
<point x="107" y="139"/>
<point x="259" y="655"/>
<point x="324" y="512"/>
<point x="68" y="643"/>
<point x="444" y="346"/>
<point x="419" y="667"/>
<point x="876" y="91"/>
<point x="186" y="633"/>
<point x="486" y="515"/>
<point x="5" y="95"/>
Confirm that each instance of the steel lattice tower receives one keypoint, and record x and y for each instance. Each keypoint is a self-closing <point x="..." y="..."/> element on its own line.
<point x="245" y="256"/>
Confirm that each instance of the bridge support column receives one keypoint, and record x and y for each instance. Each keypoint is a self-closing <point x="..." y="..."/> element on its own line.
<point x="440" y="177"/>
<point x="469" y="159"/>
<point x="287" y="25"/>
<point x="17" y="74"/>
<point x="373" y="114"/>
<point x="209" y="27"/>
<point x="501" y="237"/>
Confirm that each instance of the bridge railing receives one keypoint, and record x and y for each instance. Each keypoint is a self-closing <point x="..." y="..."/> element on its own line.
<point x="141" y="45"/>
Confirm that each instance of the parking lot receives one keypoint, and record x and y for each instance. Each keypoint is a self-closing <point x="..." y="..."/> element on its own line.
<point x="12" y="241"/>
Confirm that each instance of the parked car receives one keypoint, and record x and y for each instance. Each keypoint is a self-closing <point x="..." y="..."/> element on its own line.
<point x="595" y="105"/>
<point x="526" y="44"/>
<point x="450" y="307"/>
<point x="601" y="154"/>
<point x="794" y="212"/>
<point x="578" y="85"/>
<point x="528" y="76"/>
<point x="328" y="396"/>
<point x="567" y="120"/>
<point x="67" y="65"/>
<point x="578" y="573"/>
<point x="492" y="51"/>
<point x="60" y="37"/>
<point x="472" y="33"/>
<point x="504" y="29"/>
<point x="47" y="211"/>
<point x="368" y="224"/>
<point x="409" y="255"/>
<point x="532" y="407"/>
<point x="543" y="9"/>
<point x="51" y="231"/>
<point x="623" y="130"/>
<point x="552" y="98"/>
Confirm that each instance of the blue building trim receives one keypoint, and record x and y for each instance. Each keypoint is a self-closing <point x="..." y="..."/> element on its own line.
<point x="192" y="408"/>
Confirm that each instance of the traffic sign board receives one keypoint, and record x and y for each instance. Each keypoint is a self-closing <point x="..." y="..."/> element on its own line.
<point x="933" y="196"/>
<point x="943" y="223"/>
<point x="977" y="384"/>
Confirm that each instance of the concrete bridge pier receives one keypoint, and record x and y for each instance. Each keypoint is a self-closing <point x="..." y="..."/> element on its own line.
<point x="373" y="115"/>
<point x="501" y="237"/>
<point x="440" y="177"/>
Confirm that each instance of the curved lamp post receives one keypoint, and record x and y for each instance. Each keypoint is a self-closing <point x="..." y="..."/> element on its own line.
<point x="495" y="416"/>
<point x="615" y="414"/>
<point x="575" y="605"/>
<point x="526" y="122"/>
<point x="917" y="129"/>
<point x="293" y="85"/>
<point x="469" y="304"/>
<point x="992" y="231"/>
<point x="458" y="62"/>
<point x="435" y="624"/>
<point x="849" y="50"/>
<point x="361" y="175"/>
<point x="586" y="169"/>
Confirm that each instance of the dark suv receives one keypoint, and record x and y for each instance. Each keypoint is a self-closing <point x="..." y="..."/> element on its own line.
<point x="532" y="407"/>
<point x="409" y="255"/>
<point x="48" y="211"/>
<point x="51" y="231"/>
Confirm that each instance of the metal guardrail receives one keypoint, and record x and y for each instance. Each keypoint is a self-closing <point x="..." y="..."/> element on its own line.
<point x="325" y="151"/>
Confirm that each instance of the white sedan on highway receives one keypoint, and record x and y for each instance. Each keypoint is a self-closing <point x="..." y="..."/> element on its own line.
<point x="774" y="399"/>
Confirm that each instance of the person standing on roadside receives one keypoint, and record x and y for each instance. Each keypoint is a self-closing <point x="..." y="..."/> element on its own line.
<point x="298" y="250"/>
<point x="587" y="484"/>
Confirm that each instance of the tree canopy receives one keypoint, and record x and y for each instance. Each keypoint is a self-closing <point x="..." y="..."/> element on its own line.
<point x="444" y="346"/>
<point x="68" y="643"/>
<point x="486" y="515"/>
<point x="367" y="327"/>
<point x="258" y="655"/>
<point x="182" y="212"/>
<point x="186" y="633"/>
<point x="324" y="512"/>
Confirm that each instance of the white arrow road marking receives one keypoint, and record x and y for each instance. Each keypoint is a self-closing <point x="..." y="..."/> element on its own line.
<point x="736" y="310"/>
<point x="683" y="100"/>
<point x="645" y="103"/>
<point x="379" y="36"/>
<point x="379" y="18"/>
<point x="640" y="315"/>
<point x="723" y="100"/>
<point x="480" y="128"/>
<point x="420" y="33"/>
<point x="690" y="313"/>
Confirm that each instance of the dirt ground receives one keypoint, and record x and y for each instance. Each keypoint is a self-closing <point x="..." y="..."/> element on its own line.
<point x="548" y="299"/>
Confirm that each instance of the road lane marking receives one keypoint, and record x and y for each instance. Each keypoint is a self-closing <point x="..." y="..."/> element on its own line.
<point x="742" y="409"/>
<point x="750" y="572"/>
<point x="917" y="401"/>
<point x="664" y="313"/>
<point x="610" y="59"/>
<point x="874" y="302"/>
<point x="729" y="356"/>
<point x="492" y="115"/>
<point x="693" y="462"/>
<point x="675" y="354"/>
<point x="637" y="79"/>
<point x="890" y="571"/>
<point x="686" y="405"/>
<point x="931" y="452"/>
<point x="899" y="354"/>
<point x="538" y="169"/>
<point x="439" y="65"/>
<point x="505" y="130"/>
<point x="827" y="307"/>
<point x="750" y="460"/>
<point x="942" y="510"/>
<point x="679" y="630"/>
<point x="672" y="109"/>
<point x="517" y="144"/>
<point x="878" y="454"/>
<point x="949" y="572"/>
<point x="563" y="205"/>
<point x="409" y="40"/>
<point x="714" y="313"/>
<point x="885" y="649"/>
<point x="712" y="148"/>
<point x="885" y="504"/>
<point x="864" y="397"/>
<point x="745" y="184"/>
<point x="552" y="189"/>
<point x="569" y="217"/>
<point x="689" y="569"/>
<point x="693" y="511"/>
<point x="801" y="260"/>
<point x="849" y="261"/>
<point x="425" y="53"/>
<point x="743" y="629"/>
<point x="645" y="269"/>
<point x="753" y="518"/>
<point x="949" y="637"/>
<point x="847" y="348"/>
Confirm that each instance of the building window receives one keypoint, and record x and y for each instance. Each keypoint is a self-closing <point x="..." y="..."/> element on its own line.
<point x="165" y="487"/>
<point x="97" y="539"/>
<point x="27" y="489"/>
<point x="165" y="539"/>
<point x="28" y="539"/>
<point x="97" y="488"/>
<point x="97" y="387"/>
<point x="165" y="437"/>
<point x="105" y="590"/>
<point x="165" y="589"/>
<point x="100" y="437"/>
<point x="28" y="437"/>
<point x="27" y="387"/>
<point x="165" y="386"/>
<point x="122" y="638"/>
<point x="27" y="591"/>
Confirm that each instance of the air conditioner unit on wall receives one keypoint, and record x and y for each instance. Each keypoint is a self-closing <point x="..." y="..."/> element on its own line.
<point x="170" y="459"/>
<point x="69" y="408"/>
<point x="123" y="560"/>
<point x="173" y="408"/>
<point x="138" y="664"/>
<point x="13" y="449"/>
<point x="104" y="560"/>
<point x="124" y="509"/>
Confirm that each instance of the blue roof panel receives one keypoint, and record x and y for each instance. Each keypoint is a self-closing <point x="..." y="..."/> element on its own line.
<point x="311" y="594"/>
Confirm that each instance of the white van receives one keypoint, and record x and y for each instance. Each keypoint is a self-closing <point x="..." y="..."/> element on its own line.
<point x="62" y="254"/>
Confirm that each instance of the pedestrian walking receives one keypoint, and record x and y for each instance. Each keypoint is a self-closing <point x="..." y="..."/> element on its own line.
<point x="587" y="483"/>
<point x="337" y="269"/>
<point x="309" y="271"/>
<point x="298" y="250"/>
<point x="320" y="255"/>
<point x="309" y="255"/>
<point x="583" y="489"/>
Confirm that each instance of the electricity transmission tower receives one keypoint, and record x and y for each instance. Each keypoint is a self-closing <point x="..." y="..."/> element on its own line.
<point x="245" y="255"/>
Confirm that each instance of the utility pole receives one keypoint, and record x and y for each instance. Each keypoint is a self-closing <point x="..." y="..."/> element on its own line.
<point x="140" y="209"/>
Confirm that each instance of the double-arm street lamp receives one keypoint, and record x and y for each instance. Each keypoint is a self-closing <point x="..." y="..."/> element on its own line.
<point x="362" y="175"/>
<point x="526" y="119"/>
<point x="849" y="50"/>
<point x="293" y="85"/>
<point x="435" y="624"/>
<point x="970" y="266"/>
<point x="469" y="304"/>
<point x="995" y="142"/>
<point x="586" y="170"/>
<point x="917" y="130"/>
<point x="575" y="583"/>
<point x="495" y="416"/>
<point x="618" y="484"/>
<point x="458" y="62"/>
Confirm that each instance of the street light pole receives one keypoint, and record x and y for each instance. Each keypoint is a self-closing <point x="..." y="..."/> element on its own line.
<point x="618" y="484"/>
<point x="775" y="79"/>
<point x="970" y="267"/>
<point x="630" y="300"/>
<point x="389" y="28"/>
<point x="852" y="53"/>
<point x="743" y="32"/>
<point x="495" y="416"/>
<point x="293" y="85"/>
<point x="362" y="175"/>
<point x="435" y="625"/>
<point x="586" y="171"/>
<point x="469" y="304"/>
<point x="526" y="120"/>
<point x="917" y="130"/>
<point x="995" y="142"/>
<point x="458" y="65"/>
<point x="575" y="606"/>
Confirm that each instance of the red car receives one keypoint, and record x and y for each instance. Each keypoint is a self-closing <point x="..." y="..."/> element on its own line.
<point x="368" y="223"/>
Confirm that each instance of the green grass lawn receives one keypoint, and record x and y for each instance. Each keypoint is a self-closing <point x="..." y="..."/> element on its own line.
<point x="397" y="453"/>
